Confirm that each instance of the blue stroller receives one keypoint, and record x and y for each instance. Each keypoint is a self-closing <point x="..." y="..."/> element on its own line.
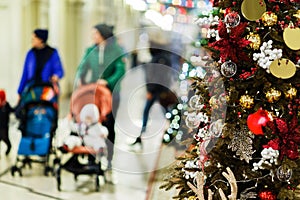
<point x="38" y="115"/>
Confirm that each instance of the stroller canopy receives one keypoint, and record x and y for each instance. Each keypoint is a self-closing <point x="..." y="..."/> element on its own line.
<point x="91" y="93"/>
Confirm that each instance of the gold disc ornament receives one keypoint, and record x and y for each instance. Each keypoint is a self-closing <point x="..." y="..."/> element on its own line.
<point x="291" y="37"/>
<point x="253" y="9"/>
<point x="283" y="68"/>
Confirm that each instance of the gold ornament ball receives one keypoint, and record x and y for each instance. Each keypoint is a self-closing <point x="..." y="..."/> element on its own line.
<point x="273" y="95"/>
<point x="227" y="98"/>
<point x="255" y="40"/>
<point x="246" y="101"/>
<point x="297" y="14"/>
<point x="291" y="93"/>
<point x="269" y="18"/>
<point x="213" y="101"/>
<point x="192" y="198"/>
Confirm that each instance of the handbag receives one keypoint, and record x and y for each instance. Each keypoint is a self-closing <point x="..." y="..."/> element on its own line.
<point x="168" y="98"/>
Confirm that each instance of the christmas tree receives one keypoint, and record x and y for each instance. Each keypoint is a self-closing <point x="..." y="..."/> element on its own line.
<point x="244" y="119"/>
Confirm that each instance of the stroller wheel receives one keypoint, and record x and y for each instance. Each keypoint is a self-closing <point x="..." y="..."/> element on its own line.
<point x="47" y="170"/>
<point x="58" y="183"/>
<point x="13" y="170"/>
<point x="20" y="172"/>
<point x="27" y="161"/>
<point x="97" y="183"/>
<point x="75" y="177"/>
<point x="58" y="178"/>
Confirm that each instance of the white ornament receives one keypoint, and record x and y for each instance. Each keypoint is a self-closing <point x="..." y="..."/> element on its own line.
<point x="207" y="21"/>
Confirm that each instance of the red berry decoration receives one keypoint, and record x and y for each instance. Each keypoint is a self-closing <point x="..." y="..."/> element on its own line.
<point x="267" y="195"/>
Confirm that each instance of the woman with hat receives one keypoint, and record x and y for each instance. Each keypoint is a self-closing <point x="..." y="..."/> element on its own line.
<point x="104" y="63"/>
<point x="42" y="62"/>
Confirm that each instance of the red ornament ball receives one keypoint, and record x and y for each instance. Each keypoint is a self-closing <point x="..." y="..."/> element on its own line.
<point x="267" y="195"/>
<point x="257" y="120"/>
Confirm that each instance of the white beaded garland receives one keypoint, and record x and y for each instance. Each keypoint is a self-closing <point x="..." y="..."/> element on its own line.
<point x="190" y="164"/>
<point x="267" y="55"/>
<point x="209" y="21"/>
<point x="269" y="157"/>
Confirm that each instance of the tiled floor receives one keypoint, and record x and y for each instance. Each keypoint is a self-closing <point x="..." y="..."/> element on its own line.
<point x="133" y="170"/>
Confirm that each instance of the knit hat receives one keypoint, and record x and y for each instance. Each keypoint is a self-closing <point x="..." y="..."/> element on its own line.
<point x="89" y="111"/>
<point x="42" y="34"/>
<point x="105" y="30"/>
<point x="2" y="95"/>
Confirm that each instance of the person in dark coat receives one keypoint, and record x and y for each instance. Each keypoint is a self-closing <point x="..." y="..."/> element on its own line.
<point x="5" y="111"/>
<point x="159" y="75"/>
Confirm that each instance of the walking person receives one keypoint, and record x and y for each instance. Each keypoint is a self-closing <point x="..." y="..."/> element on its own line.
<point x="5" y="111"/>
<point x="104" y="63"/>
<point x="159" y="77"/>
<point x="42" y="62"/>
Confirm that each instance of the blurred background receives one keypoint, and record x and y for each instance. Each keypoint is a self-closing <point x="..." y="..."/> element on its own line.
<point x="70" y="22"/>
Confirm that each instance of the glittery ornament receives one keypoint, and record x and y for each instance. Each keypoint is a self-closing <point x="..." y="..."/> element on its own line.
<point x="291" y="93"/>
<point x="267" y="195"/>
<point x="297" y="14"/>
<point x="273" y="95"/>
<point x="255" y="40"/>
<point x="192" y="198"/>
<point x="228" y="69"/>
<point x="232" y="20"/>
<point x="215" y="128"/>
<point x="284" y="173"/>
<point x="241" y="143"/>
<point x="196" y="102"/>
<point x="246" y="101"/>
<point x="269" y="18"/>
<point x="213" y="102"/>
<point x="192" y="120"/>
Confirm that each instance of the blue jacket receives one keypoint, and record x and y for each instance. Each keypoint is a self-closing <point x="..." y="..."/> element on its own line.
<point x="52" y="67"/>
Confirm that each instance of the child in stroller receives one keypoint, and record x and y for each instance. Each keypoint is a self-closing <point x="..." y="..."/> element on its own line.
<point x="37" y="112"/>
<point x="89" y="106"/>
<point x="89" y="133"/>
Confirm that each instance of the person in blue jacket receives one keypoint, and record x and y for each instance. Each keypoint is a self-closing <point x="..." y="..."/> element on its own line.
<point x="42" y="62"/>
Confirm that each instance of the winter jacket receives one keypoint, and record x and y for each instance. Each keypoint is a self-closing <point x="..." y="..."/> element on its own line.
<point x="52" y="67"/>
<point x="112" y="69"/>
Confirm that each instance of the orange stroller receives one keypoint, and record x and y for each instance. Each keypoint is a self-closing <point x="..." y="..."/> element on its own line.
<point x="86" y="94"/>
